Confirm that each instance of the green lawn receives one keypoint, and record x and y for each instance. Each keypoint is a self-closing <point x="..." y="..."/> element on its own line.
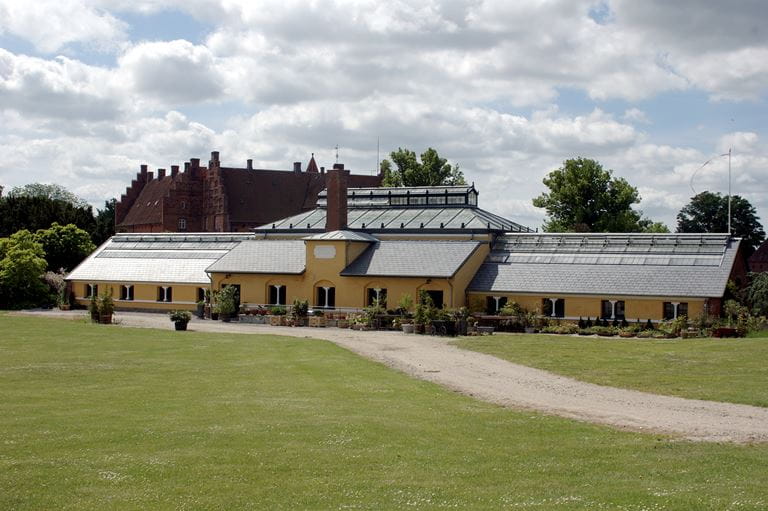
<point x="104" y="417"/>
<point x="733" y="370"/>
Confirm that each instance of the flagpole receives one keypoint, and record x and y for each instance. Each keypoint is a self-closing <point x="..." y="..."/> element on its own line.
<point x="729" y="191"/>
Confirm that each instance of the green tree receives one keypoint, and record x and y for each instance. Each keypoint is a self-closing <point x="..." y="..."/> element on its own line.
<point x="48" y="191"/>
<point x="33" y="213"/>
<point x="583" y="197"/>
<point x="708" y="212"/>
<point x="64" y="245"/>
<point x="757" y="294"/>
<point x="105" y="223"/>
<point x="22" y="265"/>
<point x="432" y="170"/>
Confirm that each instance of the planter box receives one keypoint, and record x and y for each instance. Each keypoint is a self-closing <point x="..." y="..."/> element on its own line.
<point x="485" y="330"/>
<point x="317" y="321"/>
<point x="276" y="320"/>
<point x="342" y="323"/>
<point x="331" y="322"/>
<point x="407" y="328"/>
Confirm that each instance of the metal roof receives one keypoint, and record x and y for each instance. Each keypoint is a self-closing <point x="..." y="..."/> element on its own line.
<point x="343" y="236"/>
<point x="609" y="264"/>
<point x="403" y="219"/>
<point x="171" y="258"/>
<point x="263" y="256"/>
<point x="439" y="259"/>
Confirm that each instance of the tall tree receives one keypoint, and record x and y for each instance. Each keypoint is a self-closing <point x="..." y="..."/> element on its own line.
<point x="757" y="294"/>
<point x="22" y="263"/>
<point x="105" y="223"/>
<point x="583" y="197"/>
<point x="49" y="191"/>
<point x="64" y="245"/>
<point x="708" y="212"/>
<point x="32" y="212"/>
<point x="432" y="170"/>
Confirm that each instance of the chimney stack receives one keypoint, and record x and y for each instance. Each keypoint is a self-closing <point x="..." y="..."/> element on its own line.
<point x="249" y="164"/>
<point x="297" y="166"/>
<point x="174" y="170"/>
<point x="160" y="173"/>
<point x="336" y="209"/>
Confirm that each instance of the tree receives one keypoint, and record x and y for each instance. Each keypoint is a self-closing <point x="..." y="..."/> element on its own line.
<point x="22" y="263"/>
<point x="64" y="245"/>
<point x="585" y="198"/>
<point x="708" y="212"/>
<point x="432" y="170"/>
<point x="33" y="213"/>
<point x="48" y="191"/>
<point x="105" y="223"/>
<point x="757" y="294"/>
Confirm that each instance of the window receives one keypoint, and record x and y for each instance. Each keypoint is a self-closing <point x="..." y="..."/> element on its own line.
<point x="398" y="201"/>
<point x="559" y="307"/>
<point x="437" y="199"/>
<point x="182" y="224"/>
<point x="437" y="298"/>
<point x="91" y="290"/>
<point x="377" y="293"/>
<point x="493" y="304"/>
<point x="673" y="310"/>
<point x="126" y="292"/>
<point x="183" y="204"/>
<point x="277" y="294"/>
<point x="417" y="200"/>
<point x="457" y="199"/>
<point x="612" y="309"/>
<point x="326" y="297"/>
<point x="164" y="294"/>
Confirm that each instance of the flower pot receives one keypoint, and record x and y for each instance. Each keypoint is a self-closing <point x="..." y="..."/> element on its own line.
<point x="276" y="320"/>
<point x="105" y="319"/>
<point x="180" y="325"/>
<point x="418" y="328"/>
<point x="407" y="328"/>
<point x="317" y="321"/>
<point x="215" y="316"/>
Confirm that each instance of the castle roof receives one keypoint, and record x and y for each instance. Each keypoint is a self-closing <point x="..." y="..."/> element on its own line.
<point x="148" y="207"/>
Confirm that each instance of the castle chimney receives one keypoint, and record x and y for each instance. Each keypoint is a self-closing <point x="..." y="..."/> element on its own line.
<point x="174" y="170"/>
<point x="150" y="176"/>
<point x="186" y="166"/>
<point x="214" y="156"/>
<point x="194" y="166"/>
<point x="336" y="209"/>
<point x="297" y="166"/>
<point x="160" y="173"/>
<point x="249" y="164"/>
<point x="142" y="175"/>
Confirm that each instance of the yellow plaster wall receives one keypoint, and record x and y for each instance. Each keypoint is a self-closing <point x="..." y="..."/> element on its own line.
<point x="184" y="296"/>
<point x="589" y="306"/>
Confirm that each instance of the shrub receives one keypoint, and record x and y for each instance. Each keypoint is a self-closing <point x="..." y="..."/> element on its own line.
<point x="180" y="316"/>
<point x="300" y="308"/>
<point x="278" y="310"/>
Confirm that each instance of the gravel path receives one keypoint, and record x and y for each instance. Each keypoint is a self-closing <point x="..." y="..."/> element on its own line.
<point x="497" y="381"/>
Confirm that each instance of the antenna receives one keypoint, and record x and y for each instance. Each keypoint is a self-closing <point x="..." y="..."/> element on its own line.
<point x="337" y="153"/>
<point x="378" y="161"/>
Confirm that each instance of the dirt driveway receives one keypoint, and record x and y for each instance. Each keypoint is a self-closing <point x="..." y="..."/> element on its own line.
<point x="497" y="381"/>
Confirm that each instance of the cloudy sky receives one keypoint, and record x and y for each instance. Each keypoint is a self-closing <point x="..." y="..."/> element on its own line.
<point x="89" y="90"/>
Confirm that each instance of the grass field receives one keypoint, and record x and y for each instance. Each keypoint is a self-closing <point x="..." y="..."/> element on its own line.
<point x="103" y="417"/>
<point x="732" y="370"/>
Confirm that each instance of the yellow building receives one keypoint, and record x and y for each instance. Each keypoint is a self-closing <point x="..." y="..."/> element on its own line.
<point x="361" y="244"/>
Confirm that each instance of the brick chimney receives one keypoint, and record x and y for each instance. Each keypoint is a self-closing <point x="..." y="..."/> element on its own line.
<point x="174" y="170"/>
<point x="249" y="164"/>
<point x="336" y="210"/>
<point x="297" y="167"/>
<point x="161" y="174"/>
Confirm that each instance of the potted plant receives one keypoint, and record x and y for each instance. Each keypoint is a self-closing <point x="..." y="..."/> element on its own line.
<point x="200" y="309"/>
<point x="106" y="307"/>
<point x="227" y="303"/>
<point x="180" y="319"/>
<point x="93" y="309"/>
<point x="317" y="319"/>
<point x="215" y="312"/>
<point x="277" y="315"/>
<point x="299" y="312"/>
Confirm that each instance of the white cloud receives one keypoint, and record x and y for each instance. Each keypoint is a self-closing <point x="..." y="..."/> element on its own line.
<point x="50" y="25"/>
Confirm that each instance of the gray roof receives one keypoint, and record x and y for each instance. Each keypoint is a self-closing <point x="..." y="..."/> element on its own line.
<point x="439" y="259"/>
<point x="343" y="236"/>
<point x="609" y="264"/>
<point x="394" y="219"/>
<point x="145" y="258"/>
<point x="263" y="256"/>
